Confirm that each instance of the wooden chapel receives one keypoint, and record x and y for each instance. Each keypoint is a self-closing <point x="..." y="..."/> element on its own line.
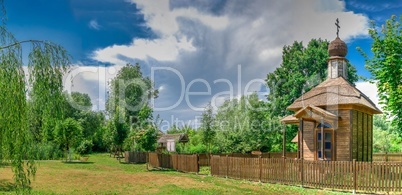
<point x="335" y="119"/>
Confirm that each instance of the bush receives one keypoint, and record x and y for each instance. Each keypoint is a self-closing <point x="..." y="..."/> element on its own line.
<point x="47" y="151"/>
<point x="85" y="147"/>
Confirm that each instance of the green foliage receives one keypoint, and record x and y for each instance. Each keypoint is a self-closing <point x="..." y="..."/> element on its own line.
<point x="76" y="103"/>
<point x="142" y="139"/>
<point x="47" y="63"/>
<point x="78" y="106"/>
<point x="302" y="68"/>
<point x="144" y="132"/>
<point x="207" y="129"/>
<point x="127" y="106"/>
<point x="68" y="133"/>
<point x="244" y="125"/>
<point x="47" y="151"/>
<point x="386" y="66"/>
<point x="85" y="147"/>
<point x="385" y="137"/>
<point x="130" y="90"/>
<point x="21" y="122"/>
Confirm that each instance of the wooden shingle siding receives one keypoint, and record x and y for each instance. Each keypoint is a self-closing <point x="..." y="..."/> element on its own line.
<point x="359" y="136"/>
<point x="364" y="136"/>
<point x="370" y="138"/>
<point x="342" y="142"/>
<point x="354" y="134"/>
<point x="308" y="140"/>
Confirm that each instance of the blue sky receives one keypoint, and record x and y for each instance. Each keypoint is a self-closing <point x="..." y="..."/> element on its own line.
<point x="220" y="49"/>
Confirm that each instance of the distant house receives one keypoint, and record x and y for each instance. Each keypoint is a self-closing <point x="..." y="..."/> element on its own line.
<point x="169" y="141"/>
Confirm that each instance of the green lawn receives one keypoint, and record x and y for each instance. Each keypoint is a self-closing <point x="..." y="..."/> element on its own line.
<point x="105" y="175"/>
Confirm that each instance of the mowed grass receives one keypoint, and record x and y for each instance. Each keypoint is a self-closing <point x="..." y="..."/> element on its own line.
<point x="105" y="175"/>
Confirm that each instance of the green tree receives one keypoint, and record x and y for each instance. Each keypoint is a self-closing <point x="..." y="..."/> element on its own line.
<point x="207" y="128"/>
<point x="129" y="93"/>
<point x="68" y="134"/>
<point x="144" y="131"/>
<point x="302" y="68"/>
<point x="129" y="90"/>
<point x="385" y="66"/>
<point x="46" y="64"/>
<point x="385" y="137"/>
<point x="244" y="125"/>
<point x="76" y="103"/>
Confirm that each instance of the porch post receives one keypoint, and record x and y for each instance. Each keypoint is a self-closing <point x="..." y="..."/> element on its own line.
<point x="284" y="141"/>
<point x="322" y="138"/>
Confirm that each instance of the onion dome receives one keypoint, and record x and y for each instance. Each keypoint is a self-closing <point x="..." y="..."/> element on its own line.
<point x="337" y="48"/>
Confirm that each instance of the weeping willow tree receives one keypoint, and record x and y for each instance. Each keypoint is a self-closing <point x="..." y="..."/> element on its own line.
<point x="47" y="62"/>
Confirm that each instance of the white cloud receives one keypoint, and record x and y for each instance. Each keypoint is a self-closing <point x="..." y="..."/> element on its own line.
<point x="163" y="20"/>
<point x="164" y="49"/>
<point x="94" y="25"/>
<point x="92" y="80"/>
<point x="210" y="45"/>
<point x="370" y="90"/>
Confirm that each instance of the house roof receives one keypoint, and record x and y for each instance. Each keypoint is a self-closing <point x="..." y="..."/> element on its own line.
<point x="290" y="119"/>
<point x="180" y="137"/>
<point x="336" y="91"/>
<point x="313" y="111"/>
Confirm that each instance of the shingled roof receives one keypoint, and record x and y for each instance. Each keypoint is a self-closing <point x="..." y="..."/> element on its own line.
<point x="336" y="91"/>
<point x="181" y="137"/>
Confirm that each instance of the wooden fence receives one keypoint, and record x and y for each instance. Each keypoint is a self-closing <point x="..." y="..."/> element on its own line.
<point x="393" y="157"/>
<point x="179" y="162"/>
<point x="341" y="175"/>
<point x="204" y="160"/>
<point x="135" y="157"/>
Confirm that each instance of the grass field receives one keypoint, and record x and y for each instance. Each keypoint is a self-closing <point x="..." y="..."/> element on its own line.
<point x="105" y="175"/>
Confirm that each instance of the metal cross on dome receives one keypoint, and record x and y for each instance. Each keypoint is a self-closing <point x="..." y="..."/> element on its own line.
<point x="337" y="27"/>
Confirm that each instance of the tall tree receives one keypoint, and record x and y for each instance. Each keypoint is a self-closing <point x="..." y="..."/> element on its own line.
<point x="46" y="64"/>
<point x="385" y="136"/>
<point x="385" y="66"/>
<point x="208" y="131"/>
<point x="302" y="68"/>
<point x="68" y="133"/>
<point x="144" y="131"/>
<point x="129" y="91"/>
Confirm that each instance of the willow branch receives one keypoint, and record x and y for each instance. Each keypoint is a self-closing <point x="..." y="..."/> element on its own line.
<point x="21" y="42"/>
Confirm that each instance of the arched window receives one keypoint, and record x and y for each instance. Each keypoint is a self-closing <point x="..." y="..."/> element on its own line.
<point x="326" y="125"/>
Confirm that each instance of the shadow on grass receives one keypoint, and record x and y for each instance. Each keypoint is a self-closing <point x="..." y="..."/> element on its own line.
<point x="130" y="163"/>
<point x="5" y="164"/>
<point x="77" y="162"/>
<point x="6" y="186"/>
<point x="152" y="169"/>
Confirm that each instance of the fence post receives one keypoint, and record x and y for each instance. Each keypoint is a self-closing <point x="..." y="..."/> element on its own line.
<point x="198" y="164"/>
<point x="147" y="160"/>
<point x="177" y="162"/>
<point x="301" y="172"/>
<point x="227" y="165"/>
<point x="284" y="169"/>
<point x="260" y="160"/>
<point x="354" y="176"/>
